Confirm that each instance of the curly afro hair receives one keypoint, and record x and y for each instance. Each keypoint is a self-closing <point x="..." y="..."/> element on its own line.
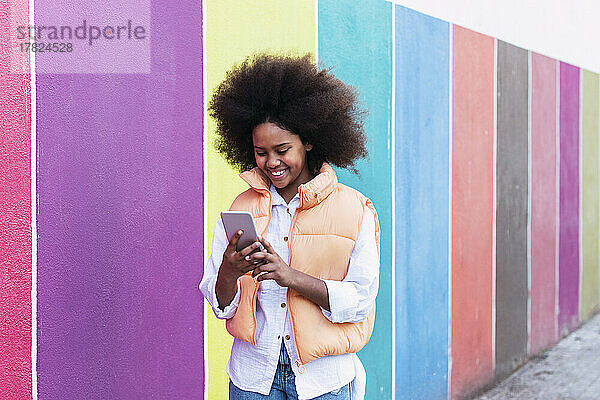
<point x="294" y="94"/>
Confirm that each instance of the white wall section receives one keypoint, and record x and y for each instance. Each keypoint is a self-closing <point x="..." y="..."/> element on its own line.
<point x="565" y="30"/>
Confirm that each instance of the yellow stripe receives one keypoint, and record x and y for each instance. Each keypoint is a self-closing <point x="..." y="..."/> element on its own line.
<point x="235" y="29"/>
<point x="588" y="298"/>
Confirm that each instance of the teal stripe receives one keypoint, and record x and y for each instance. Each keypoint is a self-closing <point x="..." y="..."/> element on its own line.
<point x="355" y="37"/>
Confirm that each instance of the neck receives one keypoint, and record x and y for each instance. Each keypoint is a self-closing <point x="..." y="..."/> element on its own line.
<point x="287" y="196"/>
<point x="290" y="190"/>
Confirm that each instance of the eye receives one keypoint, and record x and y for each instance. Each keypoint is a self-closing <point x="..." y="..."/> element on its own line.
<point x="283" y="151"/>
<point x="260" y="154"/>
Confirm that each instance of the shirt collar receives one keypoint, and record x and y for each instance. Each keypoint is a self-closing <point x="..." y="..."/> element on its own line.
<point x="276" y="198"/>
<point x="310" y="193"/>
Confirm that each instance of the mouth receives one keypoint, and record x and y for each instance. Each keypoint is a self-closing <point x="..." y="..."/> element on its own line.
<point x="278" y="174"/>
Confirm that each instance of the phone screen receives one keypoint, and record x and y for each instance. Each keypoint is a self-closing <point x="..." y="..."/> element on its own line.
<point x="233" y="221"/>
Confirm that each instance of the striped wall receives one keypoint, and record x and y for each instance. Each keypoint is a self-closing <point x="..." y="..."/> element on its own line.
<point x="483" y="168"/>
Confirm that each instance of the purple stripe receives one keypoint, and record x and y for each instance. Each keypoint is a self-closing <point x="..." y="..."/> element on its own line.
<point x="569" y="199"/>
<point x="120" y="228"/>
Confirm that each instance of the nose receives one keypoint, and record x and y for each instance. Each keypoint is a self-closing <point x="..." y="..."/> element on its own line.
<point x="272" y="161"/>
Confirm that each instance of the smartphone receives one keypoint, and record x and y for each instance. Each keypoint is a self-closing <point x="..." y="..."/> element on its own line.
<point x="233" y="221"/>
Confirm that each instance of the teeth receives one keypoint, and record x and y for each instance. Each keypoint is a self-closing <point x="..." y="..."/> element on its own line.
<point x="277" y="173"/>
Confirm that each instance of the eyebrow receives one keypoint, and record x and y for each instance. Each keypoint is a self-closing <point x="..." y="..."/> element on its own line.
<point x="277" y="145"/>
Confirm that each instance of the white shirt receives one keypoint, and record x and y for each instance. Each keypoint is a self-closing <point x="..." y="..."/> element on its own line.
<point x="252" y="368"/>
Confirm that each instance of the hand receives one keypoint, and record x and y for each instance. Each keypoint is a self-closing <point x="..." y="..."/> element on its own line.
<point x="271" y="266"/>
<point x="236" y="263"/>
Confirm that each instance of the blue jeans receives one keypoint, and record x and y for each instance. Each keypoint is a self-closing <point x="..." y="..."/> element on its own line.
<point x="284" y="386"/>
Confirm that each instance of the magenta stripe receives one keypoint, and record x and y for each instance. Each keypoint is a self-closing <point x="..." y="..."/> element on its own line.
<point x="568" y="293"/>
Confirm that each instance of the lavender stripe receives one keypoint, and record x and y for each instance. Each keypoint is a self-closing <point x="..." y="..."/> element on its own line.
<point x="120" y="227"/>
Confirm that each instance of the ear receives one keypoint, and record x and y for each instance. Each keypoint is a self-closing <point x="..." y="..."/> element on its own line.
<point x="308" y="147"/>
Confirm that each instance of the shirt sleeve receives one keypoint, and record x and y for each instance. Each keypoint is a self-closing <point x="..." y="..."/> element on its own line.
<point x="352" y="299"/>
<point x="209" y="279"/>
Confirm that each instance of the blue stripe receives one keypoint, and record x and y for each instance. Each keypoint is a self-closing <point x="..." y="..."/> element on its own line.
<point x="422" y="203"/>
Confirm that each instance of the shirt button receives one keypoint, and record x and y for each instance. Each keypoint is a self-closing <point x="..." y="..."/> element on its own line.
<point x="282" y="305"/>
<point x="287" y="337"/>
<point x="285" y="238"/>
<point x="288" y="211"/>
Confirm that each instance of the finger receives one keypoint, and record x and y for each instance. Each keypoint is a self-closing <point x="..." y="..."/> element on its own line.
<point x="256" y="271"/>
<point x="260" y="238"/>
<point x="257" y="264"/>
<point x="259" y="256"/>
<point x="250" y="249"/>
<point x="252" y="266"/>
<point x="265" y="276"/>
<point x="233" y="242"/>
<point x="248" y="263"/>
<point x="267" y="245"/>
<point x="265" y="267"/>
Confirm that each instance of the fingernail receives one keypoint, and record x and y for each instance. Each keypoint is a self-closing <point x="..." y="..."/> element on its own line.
<point x="247" y="258"/>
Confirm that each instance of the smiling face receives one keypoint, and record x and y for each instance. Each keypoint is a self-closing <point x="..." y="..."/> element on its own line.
<point x="281" y="155"/>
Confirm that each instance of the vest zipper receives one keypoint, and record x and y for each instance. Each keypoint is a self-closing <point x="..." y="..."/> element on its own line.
<point x="263" y="234"/>
<point x="301" y="368"/>
<point x="269" y="217"/>
<point x="254" y="295"/>
<point x="298" y="361"/>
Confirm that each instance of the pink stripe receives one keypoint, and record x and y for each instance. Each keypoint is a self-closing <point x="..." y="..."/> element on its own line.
<point x="15" y="215"/>
<point x="543" y="202"/>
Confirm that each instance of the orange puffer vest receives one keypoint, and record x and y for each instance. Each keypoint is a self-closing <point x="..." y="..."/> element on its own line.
<point x="322" y="236"/>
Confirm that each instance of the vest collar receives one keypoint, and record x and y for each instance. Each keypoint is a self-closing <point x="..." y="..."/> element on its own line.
<point x="311" y="193"/>
<point x="256" y="179"/>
